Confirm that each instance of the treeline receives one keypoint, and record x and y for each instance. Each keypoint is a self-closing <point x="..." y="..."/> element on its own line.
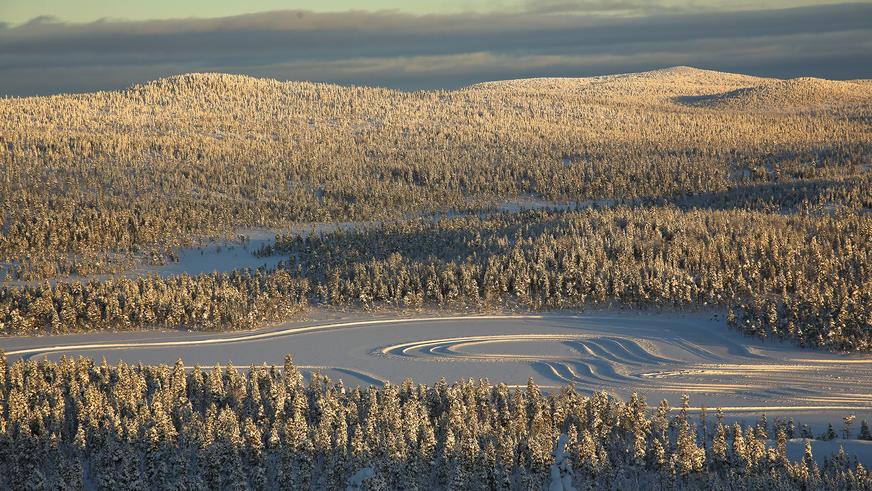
<point x="239" y="300"/>
<point x="801" y="277"/>
<point x="804" y="197"/>
<point x="91" y="183"/>
<point x="76" y="424"/>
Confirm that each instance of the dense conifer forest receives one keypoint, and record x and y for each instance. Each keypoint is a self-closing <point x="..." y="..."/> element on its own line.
<point x="718" y="190"/>
<point x="78" y="424"/>
<point x="91" y="183"/>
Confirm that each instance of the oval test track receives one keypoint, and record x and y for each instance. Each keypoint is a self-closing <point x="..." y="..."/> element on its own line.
<point x="661" y="356"/>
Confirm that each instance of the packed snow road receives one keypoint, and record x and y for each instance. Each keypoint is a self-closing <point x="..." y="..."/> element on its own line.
<point x="657" y="355"/>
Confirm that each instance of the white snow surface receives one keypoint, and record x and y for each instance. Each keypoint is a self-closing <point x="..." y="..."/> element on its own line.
<point x="218" y="256"/>
<point x="355" y="482"/>
<point x="658" y="355"/>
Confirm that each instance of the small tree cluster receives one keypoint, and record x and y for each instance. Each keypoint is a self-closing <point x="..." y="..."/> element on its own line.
<point x="239" y="300"/>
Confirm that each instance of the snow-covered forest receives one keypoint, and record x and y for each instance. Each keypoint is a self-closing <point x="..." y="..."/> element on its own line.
<point x="92" y="183"/>
<point x="79" y="424"/>
<point x="802" y="276"/>
<point x="727" y="190"/>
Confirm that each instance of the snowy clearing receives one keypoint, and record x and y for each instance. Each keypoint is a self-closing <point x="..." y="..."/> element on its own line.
<point x="228" y="255"/>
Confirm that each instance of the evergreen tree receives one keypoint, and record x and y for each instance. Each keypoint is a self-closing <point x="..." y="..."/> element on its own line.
<point x="865" y="434"/>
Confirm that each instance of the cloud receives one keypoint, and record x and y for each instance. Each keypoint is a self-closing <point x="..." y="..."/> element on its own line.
<point x="603" y="6"/>
<point x="426" y="51"/>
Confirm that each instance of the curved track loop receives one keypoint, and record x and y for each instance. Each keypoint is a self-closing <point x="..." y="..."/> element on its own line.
<point x="693" y="366"/>
<point x="666" y="356"/>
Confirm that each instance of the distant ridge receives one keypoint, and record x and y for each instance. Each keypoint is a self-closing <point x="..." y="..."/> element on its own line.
<point x="659" y="84"/>
<point x="700" y="88"/>
<point x="671" y="74"/>
<point x="682" y="86"/>
<point x="795" y="93"/>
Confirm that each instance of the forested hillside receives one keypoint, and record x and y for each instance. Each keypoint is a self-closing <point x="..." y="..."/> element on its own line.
<point x="719" y="190"/>
<point x="92" y="183"/>
<point x="77" y="424"/>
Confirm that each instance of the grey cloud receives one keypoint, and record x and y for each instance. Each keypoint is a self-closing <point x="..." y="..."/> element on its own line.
<point x="600" y="6"/>
<point x="408" y="51"/>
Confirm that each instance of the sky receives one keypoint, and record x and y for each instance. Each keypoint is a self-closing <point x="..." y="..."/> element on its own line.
<point x="54" y="46"/>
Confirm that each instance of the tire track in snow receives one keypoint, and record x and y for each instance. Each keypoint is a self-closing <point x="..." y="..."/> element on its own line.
<point x="613" y="354"/>
<point x="255" y="336"/>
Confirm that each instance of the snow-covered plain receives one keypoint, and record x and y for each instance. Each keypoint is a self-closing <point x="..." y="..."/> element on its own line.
<point x="218" y="256"/>
<point x="662" y="356"/>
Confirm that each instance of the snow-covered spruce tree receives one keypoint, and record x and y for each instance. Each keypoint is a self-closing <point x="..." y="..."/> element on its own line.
<point x="123" y="427"/>
<point x="865" y="434"/>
